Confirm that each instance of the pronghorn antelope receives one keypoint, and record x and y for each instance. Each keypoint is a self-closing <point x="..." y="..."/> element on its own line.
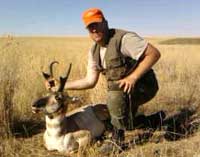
<point x="69" y="132"/>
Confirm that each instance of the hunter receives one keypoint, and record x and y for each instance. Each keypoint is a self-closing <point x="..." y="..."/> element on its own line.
<point x="126" y="60"/>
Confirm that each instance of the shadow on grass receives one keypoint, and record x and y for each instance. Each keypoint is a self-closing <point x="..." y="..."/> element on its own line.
<point x="181" y="124"/>
<point x="27" y="128"/>
<point x="181" y="41"/>
<point x="174" y="127"/>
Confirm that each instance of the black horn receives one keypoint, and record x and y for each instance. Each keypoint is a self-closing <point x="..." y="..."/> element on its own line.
<point x="50" y="74"/>
<point x="51" y="67"/>
<point x="63" y="80"/>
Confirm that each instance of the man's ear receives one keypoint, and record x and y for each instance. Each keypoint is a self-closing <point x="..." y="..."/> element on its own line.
<point x="106" y="23"/>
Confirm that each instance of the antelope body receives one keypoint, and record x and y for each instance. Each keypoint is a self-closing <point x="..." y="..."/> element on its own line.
<point x="72" y="131"/>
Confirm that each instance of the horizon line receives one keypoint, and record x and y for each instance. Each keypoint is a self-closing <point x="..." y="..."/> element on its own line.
<point x="87" y="36"/>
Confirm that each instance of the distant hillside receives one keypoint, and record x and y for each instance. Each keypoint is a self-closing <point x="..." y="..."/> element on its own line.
<point x="181" y="41"/>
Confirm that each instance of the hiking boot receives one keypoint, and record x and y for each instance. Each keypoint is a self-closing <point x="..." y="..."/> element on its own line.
<point x="116" y="144"/>
<point x="118" y="136"/>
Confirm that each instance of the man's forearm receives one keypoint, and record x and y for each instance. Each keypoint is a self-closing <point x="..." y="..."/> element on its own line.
<point x="151" y="57"/>
<point x="88" y="82"/>
<point x="79" y="84"/>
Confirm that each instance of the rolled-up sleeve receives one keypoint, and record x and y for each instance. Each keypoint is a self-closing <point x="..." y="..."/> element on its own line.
<point x="132" y="45"/>
<point x="92" y="72"/>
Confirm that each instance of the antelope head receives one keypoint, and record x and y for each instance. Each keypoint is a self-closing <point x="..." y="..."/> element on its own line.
<point x="56" y="101"/>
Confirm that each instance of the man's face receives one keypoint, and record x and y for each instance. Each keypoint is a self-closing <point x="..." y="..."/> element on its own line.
<point x="97" y="31"/>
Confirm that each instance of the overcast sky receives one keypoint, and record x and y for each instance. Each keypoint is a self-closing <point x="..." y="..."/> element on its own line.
<point x="63" y="17"/>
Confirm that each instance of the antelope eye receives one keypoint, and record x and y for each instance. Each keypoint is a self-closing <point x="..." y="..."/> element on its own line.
<point x="58" y="97"/>
<point x="52" y="83"/>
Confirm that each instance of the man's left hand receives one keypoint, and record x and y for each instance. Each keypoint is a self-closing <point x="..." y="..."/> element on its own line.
<point x="126" y="83"/>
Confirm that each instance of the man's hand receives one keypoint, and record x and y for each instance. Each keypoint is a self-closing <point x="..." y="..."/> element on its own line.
<point x="149" y="58"/>
<point x="126" y="83"/>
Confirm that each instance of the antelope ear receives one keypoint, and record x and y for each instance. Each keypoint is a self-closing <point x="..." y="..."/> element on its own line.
<point x="46" y="76"/>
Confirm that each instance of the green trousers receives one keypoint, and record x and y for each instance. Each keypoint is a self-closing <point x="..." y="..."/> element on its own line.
<point x="121" y="108"/>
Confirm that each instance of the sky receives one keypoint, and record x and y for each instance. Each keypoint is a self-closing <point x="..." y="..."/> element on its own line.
<point x="63" y="17"/>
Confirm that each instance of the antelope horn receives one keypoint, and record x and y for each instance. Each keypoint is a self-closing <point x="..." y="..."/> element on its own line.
<point x="63" y="80"/>
<point x="51" y="67"/>
<point x="50" y="74"/>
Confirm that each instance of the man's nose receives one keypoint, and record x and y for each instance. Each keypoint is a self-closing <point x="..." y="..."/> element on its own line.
<point x="93" y="30"/>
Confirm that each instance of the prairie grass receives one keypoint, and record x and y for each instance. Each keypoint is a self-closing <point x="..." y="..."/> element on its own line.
<point x="24" y="58"/>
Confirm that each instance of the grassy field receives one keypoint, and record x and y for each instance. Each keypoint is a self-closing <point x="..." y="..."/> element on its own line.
<point x="24" y="58"/>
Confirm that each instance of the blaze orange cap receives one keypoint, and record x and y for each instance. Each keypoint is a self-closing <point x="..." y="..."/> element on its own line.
<point x="92" y="15"/>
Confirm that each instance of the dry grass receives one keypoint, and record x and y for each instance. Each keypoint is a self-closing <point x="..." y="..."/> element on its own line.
<point x="23" y="60"/>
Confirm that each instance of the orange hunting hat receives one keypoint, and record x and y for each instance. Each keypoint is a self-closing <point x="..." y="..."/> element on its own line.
<point x="92" y="15"/>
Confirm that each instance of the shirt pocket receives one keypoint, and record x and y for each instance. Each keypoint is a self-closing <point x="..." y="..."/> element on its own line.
<point x="116" y="62"/>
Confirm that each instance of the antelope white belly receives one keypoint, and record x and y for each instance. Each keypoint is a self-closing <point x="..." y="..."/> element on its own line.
<point x="54" y="142"/>
<point x="52" y="136"/>
<point x="64" y="144"/>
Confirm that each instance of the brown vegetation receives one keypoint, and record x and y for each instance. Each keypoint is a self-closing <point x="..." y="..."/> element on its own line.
<point x="23" y="60"/>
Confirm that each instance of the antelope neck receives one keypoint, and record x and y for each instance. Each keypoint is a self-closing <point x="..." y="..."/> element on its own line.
<point x="51" y="115"/>
<point x="54" y="126"/>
